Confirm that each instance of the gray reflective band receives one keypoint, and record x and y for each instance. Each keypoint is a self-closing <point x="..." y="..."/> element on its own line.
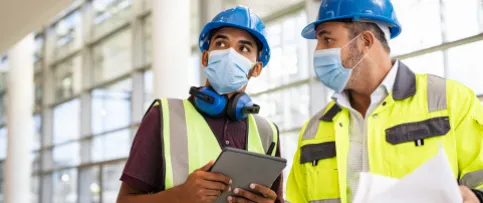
<point x="436" y="93"/>
<point x="472" y="179"/>
<point x="178" y="141"/>
<point x="265" y="131"/>
<point x="337" y="200"/>
<point x="312" y="127"/>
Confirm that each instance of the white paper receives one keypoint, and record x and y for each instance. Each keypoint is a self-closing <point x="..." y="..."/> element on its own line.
<point x="371" y="185"/>
<point x="432" y="182"/>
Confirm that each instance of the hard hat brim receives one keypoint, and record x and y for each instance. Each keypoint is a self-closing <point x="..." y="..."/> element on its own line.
<point x="205" y="33"/>
<point x="309" y="31"/>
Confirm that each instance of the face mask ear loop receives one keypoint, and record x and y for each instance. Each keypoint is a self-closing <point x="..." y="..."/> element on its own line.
<point x="362" y="56"/>
<point x="351" y="41"/>
<point x="250" y="72"/>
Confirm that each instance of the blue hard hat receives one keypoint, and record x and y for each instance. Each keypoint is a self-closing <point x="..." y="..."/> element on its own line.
<point x="378" y="11"/>
<point x="238" y="17"/>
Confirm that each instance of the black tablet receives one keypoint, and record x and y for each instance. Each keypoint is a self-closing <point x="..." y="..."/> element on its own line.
<point x="245" y="167"/>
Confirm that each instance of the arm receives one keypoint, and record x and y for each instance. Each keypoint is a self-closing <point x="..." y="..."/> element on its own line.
<point x="129" y="194"/>
<point x="468" y="119"/>
<point x="201" y="186"/>
<point x="141" y="179"/>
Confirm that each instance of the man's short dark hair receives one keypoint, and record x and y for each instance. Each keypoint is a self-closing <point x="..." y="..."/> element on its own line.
<point x="259" y="44"/>
<point x="356" y="28"/>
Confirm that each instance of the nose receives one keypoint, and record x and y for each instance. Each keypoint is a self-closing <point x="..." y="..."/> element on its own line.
<point x="320" y="45"/>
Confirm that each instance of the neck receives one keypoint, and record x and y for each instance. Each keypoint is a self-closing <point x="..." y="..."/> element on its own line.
<point x="360" y="95"/>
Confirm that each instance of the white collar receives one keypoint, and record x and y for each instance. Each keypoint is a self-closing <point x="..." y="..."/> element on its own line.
<point x="388" y="83"/>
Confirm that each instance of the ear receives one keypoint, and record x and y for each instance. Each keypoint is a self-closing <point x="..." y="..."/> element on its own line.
<point x="257" y="69"/>
<point x="204" y="58"/>
<point x="368" y="39"/>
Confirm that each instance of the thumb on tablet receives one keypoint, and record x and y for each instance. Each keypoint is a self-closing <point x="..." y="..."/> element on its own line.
<point x="207" y="166"/>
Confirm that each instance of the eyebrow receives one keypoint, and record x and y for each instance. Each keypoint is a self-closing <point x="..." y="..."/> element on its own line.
<point x="221" y="37"/>
<point x="324" y="32"/>
<point x="245" y="42"/>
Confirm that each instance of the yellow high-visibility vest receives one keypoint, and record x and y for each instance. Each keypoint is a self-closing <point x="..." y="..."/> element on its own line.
<point x="403" y="132"/>
<point x="189" y="143"/>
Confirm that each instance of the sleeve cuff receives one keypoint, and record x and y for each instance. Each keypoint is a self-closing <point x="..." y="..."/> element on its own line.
<point x="479" y="194"/>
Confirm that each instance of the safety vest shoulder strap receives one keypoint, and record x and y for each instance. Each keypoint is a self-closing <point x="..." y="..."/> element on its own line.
<point x="326" y="114"/>
<point x="174" y="141"/>
<point x="436" y="92"/>
<point x="268" y="133"/>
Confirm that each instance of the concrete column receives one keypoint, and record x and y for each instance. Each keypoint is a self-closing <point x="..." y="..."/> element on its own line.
<point x="18" y="168"/>
<point x="171" y="48"/>
<point x="318" y="92"/>
<point x="208" y="10"/>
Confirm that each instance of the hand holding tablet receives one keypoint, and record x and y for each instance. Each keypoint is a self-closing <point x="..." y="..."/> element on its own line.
<point x="251" y="173"/>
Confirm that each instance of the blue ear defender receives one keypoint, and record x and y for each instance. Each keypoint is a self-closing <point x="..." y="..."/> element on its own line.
<point x="208" y="101"/>
<point x="240" y="105"/>
<point x="211" y="103"/>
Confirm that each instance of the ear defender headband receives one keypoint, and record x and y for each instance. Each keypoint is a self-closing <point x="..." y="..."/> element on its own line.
<point x="211" y="103"/>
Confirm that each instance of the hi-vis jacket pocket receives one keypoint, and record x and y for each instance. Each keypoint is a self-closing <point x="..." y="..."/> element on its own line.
<point x="409" y="132"/>
<point x="319" y="165"/>
<point x="408" y="145"/>
<point x="316" y="152"/>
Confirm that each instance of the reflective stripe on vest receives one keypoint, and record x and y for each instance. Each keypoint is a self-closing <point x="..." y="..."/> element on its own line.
<point x="184" y="148"/>
<point x="436" y="93"/>
<point x="472" y="179"/>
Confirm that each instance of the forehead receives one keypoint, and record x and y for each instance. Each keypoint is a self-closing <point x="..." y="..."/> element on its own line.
<point x="232" y="32"/>
<point x="334" y="27"/>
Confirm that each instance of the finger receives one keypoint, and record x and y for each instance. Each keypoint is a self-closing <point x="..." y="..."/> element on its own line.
<point x="266" y="192"/>
<point x="207" y="167"/>
<point x="234" y="199"/>
<point x="249" y="195"/>
<point x="210" y="192"/>
<point x="211" y="185"/>
<point x="216" y="177"/>
<point x="209" y="198"/>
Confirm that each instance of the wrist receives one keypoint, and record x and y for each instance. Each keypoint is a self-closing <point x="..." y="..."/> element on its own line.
<point x="172" y="195"/>
<point x="479" y="194"/>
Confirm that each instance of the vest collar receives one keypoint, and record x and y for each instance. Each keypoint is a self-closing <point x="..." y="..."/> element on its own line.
<point x="405" y="84"/>
<point x="404" y="87"/>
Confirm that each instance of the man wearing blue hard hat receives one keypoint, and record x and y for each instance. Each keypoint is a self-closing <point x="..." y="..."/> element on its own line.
<point x="178" y="140"/>
<point x="383" y="118"/>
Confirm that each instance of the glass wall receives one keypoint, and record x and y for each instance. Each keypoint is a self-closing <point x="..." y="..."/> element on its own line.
<point x="68" y="34"/>
<point x="109" y="15"/>
<point x="67" y="77"/>
<point x="113" y="56"/>
<point x="93" y="79"/>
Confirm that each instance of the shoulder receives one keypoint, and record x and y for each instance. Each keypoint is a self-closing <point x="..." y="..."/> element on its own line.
<point x="330" y="107"/>
<point x="453" y="87"/>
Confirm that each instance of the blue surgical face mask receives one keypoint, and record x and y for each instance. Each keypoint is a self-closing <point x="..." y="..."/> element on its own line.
<point x="227" y="70"/>
<point x="329" y="69"/>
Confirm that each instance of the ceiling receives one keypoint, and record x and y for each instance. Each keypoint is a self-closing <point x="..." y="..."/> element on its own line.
<point x="21" y="17"/>
<point x="263" y="8"/>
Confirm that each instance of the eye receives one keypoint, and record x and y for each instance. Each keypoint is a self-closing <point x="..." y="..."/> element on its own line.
<point x="221" y="44"/>
<point x="245" y="49"/>
<point x="328" y="40"/>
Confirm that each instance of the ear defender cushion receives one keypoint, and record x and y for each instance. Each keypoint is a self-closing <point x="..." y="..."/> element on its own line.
<point x="236" y="104"/>
<point x="215" y="109"/>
